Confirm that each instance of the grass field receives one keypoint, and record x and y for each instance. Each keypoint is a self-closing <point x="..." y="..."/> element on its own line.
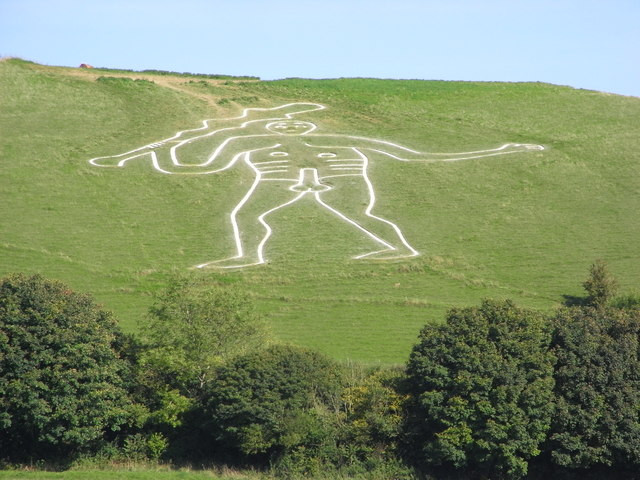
<point x="523" y="226"/>
<point x="124" y="474"/>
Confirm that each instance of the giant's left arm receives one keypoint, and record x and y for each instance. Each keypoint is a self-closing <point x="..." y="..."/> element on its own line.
<point x="404" y="154"/>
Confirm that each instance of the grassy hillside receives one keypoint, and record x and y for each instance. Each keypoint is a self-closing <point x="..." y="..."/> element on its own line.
<point x="523" y="226"/>
<point x="124" y="474"/>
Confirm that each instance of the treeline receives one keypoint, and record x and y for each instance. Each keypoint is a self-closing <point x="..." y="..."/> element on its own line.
<point x="493" y="392"/>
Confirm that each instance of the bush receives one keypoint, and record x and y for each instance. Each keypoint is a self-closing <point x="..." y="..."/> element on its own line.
<point x="600" y="285"/>
<point x="62" y="381"/>
<point x="193" y="327"/>
<point x="481" y="388"/>
<point x="266" y="404"/>
<point x="597" y="389"/>
<point x="628" y="301"/>
<point x="374" y="414"/>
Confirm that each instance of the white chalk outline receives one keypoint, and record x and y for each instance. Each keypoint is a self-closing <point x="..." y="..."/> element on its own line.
<point x="281" y="127"/>
<point x="205" y="125"/>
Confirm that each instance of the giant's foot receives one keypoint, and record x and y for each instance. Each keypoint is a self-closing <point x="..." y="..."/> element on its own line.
<point x="388" y="254"/>
<point x="234" y="262"/>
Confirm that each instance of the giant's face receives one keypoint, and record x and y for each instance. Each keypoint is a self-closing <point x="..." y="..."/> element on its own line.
<point x="291" y="127"/>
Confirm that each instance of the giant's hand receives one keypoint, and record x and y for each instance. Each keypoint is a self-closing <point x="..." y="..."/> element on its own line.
<point x="522" y="146"/>
<point x="121" y="159"/>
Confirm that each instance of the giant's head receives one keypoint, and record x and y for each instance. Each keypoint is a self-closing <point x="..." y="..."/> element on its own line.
<point x="291" y="127"/>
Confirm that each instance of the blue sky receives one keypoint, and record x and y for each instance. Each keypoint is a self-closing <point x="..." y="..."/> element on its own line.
<point x="582" y="43"/>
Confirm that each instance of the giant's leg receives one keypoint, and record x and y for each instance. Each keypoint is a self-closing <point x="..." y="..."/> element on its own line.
<point x="249" y="223"/>
<point x="352" y="198"/>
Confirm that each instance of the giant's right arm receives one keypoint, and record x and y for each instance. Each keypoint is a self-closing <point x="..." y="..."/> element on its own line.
<point x="185" y="148"/>
<point x="164" y="156"/>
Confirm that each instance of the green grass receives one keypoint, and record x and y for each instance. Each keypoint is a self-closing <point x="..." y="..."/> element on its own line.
<point x="120" y="475"/>
<point x="525" y="226"/>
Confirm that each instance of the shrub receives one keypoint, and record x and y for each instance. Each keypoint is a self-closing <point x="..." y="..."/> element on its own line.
<point x="600" y="285"/>
<point x="62" y="382"/>
<point x="273" y="402"/>
<point x="481" y="386"/>
<point x="628" y="301"/>
<point x="597" y="389"/>
<point x="374" y="415"/>
<point x="193" y="327"/>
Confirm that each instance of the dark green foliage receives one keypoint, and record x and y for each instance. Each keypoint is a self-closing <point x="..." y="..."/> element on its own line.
<point x="482" y="386"/>
<point x="372" y="423"/>
<point x="194" y="326"/>
<point x="165" y="73"/>
<point x="597" y="417"/>
<point x="200" y="75"/>
<point x="123" y="82"/>
<point x="273" y="402"/>
<point x="374" y="409"/>
<point x="600" y="286"/>
<point x="61" y="378"/>
<point x="628" y="301"/>
<point x="480" y="397"/>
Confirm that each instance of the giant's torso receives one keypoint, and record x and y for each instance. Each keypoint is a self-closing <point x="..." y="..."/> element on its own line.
<point x="297" y="153"/>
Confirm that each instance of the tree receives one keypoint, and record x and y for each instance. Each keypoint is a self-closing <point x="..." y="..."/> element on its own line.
<point x="62" y="385"/>
<point x="374" y="409"/>
<point x="600" y="286"/>
<point x="481" y="385"/>
<point x="193" y="327"/>
<point x="597" y="388"/>
<point x="272" y="401"/>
